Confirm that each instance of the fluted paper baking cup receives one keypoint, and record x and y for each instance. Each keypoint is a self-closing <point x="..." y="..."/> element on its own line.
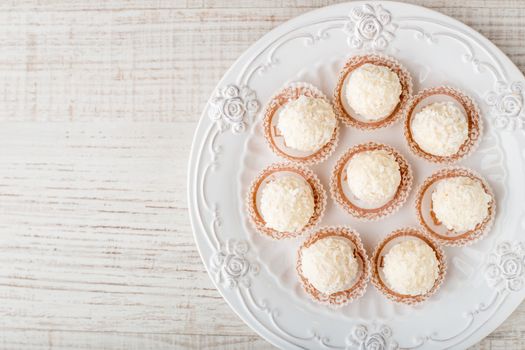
<point x="271" y="133"/>
<point x="475" y="124"/>
<point x="357" y="290"/>
<point x="377" y="258"/>
<point x="267" y="174"/>
<point x="337" y="181"/>
<point x="448" y="237"/>
<point x="349" y="117"/>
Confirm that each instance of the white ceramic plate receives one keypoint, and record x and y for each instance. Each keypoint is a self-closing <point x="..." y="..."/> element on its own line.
<point x="256" y="275"/>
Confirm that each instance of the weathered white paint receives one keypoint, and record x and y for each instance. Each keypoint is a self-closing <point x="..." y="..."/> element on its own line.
<point x="99" y="101"/>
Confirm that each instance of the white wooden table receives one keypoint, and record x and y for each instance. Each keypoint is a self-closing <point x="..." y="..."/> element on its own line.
<point x="98" y="103"/>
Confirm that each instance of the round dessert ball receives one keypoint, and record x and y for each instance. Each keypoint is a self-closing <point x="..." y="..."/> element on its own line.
<point x="440" y="128"/>
<point x="307" y="123"/>
<point x="411" y="267"/>
<point x="373" y="176"/>
<point x="287" y="203"/>
<point x="460" y="203"/>
<point x="373" y="91"/>
<point x="329" y="264"/>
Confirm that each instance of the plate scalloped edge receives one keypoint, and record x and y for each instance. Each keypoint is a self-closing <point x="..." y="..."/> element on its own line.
<point x="368" y="26"/>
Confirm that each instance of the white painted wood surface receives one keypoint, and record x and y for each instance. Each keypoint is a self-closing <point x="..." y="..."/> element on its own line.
<point x="99" y="101"/>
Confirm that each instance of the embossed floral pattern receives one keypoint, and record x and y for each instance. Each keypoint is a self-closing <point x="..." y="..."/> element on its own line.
<point x="506" y="266"/>
<point x="230" y="265"/>
<point x="369" y="27"/>
<point x="373" y="338"/>
<point x="232" y="105"/>
<point x="507" y="106"/>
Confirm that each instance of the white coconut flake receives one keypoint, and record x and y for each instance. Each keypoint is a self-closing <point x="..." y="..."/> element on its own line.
<point x="411" y="267"/>
<point x="329" y="264"/>
<point x="460" y="203"/>
<point x="373" y="176"/>
<point x="287" y="203"/>
<point x="307" y="123"/>
<point x="440" y="128"/>
<point x="373" y="91"/>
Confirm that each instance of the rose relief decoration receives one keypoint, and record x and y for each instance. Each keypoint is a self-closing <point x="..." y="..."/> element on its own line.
<point x="230" y="265"/>
<point x="507" y="266"/>
<point x="369" y="27"/>
<point x="507" y="106"/>
<point x="232" y="105"/>
<point x="378" y="339"/>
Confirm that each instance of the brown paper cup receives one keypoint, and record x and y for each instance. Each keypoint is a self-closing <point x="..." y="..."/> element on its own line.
<point x="377" y="262"/>
<point x="471" y="110"/>
<point x="431" y="224"/>
<point x="357" y="290"/>
<point x="349" y="117"/>
<point x="276" y="141"/>
<point x="338" y="184"/>
<point x="267" y="175"/>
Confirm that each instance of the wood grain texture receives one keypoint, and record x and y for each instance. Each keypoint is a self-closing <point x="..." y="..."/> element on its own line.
<point x="99" y="103"/>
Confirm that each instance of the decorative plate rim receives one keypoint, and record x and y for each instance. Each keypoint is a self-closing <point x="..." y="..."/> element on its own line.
<point x="237" y="100"/>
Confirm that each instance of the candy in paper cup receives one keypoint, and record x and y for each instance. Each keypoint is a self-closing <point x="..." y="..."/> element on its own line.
<point x="352" y="118"/>
<point x="273" y="136"/>
<point x="358" y="288"/>
<point x="383" y="247"/>
<point x="469" y="109"/>
<point x="270" y="173"/>
<point x="342" y="195"/>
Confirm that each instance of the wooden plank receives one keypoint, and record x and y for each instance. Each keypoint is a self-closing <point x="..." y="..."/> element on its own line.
<point x="57" y="340"/>
<point x="124" y="5"/>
